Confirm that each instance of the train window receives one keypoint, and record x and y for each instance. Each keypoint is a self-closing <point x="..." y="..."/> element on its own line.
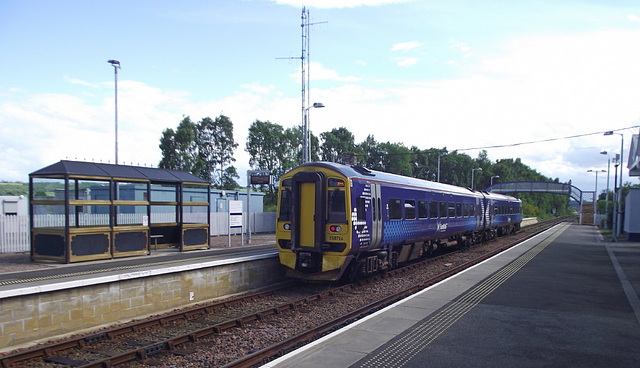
<point x="465" y="210"/>
<point x="337" y="208"/>
<point x="374" y="209"/>
<point x="443" y="209"/>
<point x="495" y="209"/>
<point x="287" y="182"/>
<point x="458" y="209"/>
<point x="472" y="210"/>
<point x="285" y="205"/>
<point x="422" y="209"/>
<point x="433" y="209"/>
<point x="361" y="207"/>
<point x="410" y="209"/>
<point x="361" y="213"/>
<point x="452" y="210"/>
<point x="395" y="209"/>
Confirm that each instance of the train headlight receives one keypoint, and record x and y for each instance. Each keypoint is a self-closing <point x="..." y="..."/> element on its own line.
<point x="335" y="228"/>
<point x="287" y="226"/>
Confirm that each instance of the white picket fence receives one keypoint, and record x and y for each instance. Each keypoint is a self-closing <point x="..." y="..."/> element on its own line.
<point x="14" y="234"/>
<point x="14" y="230"/>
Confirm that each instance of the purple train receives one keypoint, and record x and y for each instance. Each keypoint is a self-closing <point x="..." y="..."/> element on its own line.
<point x="337" y="221"/>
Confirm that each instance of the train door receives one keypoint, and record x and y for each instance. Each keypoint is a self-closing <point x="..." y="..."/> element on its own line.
<point x="482" y="213"/>
<point x="490" y="213"/>
<point x="308" y="221"/>
<point x="307" y="214"/>
<point x="376" y="215"/>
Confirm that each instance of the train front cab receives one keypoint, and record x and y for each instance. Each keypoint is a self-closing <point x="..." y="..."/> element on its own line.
<point x="313" y="229"/>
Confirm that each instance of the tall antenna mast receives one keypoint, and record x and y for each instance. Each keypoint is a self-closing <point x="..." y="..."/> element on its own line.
<point x="306" y="79"/>
<point x="306" y="144"/>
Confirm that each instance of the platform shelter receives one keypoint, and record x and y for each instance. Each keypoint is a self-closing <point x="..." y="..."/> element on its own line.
<point x="82" y="211"/>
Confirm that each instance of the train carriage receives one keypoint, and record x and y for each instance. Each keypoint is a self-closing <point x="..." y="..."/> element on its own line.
<point x="336" y="220"/>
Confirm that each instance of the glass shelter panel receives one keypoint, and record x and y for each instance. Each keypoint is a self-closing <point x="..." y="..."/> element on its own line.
<point x="164" y="193"/>
<point x="48" y="216"/>
<point x="89" y="215"/>
<point x="194" y="193"/>
<point x="89" y="190"/>
<point x="163" y="214"/>
<point x="126" y="191"/>
<point x="194" y="214"/>
<point x="131" y="215"/>
<point x="48" y="189"/>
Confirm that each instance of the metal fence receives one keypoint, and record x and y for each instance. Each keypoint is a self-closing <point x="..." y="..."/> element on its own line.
<point x="14" y="230"/>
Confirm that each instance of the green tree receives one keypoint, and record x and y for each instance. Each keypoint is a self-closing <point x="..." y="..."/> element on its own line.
<point x="292" y="142"/>
<point x="421" y="168"/>
<point x="336" y="144"/>
<point x="204" y="149"/>
<point x="266" y="146"/>
<point x="179" y="148"/>
<point x="370" y="154"/>
<point x="215" y="147"/>
<point x="396" y="158"/>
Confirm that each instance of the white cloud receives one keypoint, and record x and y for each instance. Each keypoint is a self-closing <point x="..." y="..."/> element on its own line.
<point x="318" y="72"/>
<point x="258" y="88"/>
<point x="406" y="61"/>
<point x="633" y="18"/>
<point x="460" y="46"/>
<point x="405" y="46"/>
<point x="80" y="82"/>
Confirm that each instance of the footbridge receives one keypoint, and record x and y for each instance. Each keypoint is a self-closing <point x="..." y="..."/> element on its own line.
<point x="538" y="187"/>
<point x="586" y="199"/>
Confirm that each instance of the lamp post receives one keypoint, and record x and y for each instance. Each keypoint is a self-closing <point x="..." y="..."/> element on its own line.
<point x="618" y="213"/>
<point x="595" y="195"/>
<point x="606" y="201"/>
<point x="615" y="196"/>
<point x="496" y="177"/>
<point x="116" y="66"/>
<point x="306" y="133"/>
<point x="472" y="171"/>
<point x="439" y="156"/>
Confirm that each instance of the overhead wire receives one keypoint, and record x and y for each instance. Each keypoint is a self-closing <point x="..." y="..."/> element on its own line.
<point x="545" y="140"/>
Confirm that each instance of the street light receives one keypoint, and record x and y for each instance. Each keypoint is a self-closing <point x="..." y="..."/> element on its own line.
<point x="472" y="171"/>
<point x="606" y="201"/>
<point x="595" y="195"/>
<point x="116" y="66"/>
<point x="616" y="162"/>
<point x="306" y="133"/>
<point x="440" y="155"/>
<point x="496" y="177"/>
<point x="618" y="213"/>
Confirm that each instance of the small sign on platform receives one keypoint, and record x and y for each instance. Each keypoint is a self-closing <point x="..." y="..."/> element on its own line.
<point x="235" y="218"/>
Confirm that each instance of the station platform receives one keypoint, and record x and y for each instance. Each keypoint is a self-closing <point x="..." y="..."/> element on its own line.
<point x="20" y="276"/>
<point x="564" y="298"/>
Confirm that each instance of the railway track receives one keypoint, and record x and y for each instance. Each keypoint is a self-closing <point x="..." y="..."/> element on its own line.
<point x="251" y="329"/>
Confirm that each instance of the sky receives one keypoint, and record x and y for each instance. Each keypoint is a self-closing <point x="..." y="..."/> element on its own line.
<point x="431" y="74"/>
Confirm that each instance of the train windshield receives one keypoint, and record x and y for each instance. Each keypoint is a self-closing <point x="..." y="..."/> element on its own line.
<point x="285" y="205"/>
<point x="337" y="207"/>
